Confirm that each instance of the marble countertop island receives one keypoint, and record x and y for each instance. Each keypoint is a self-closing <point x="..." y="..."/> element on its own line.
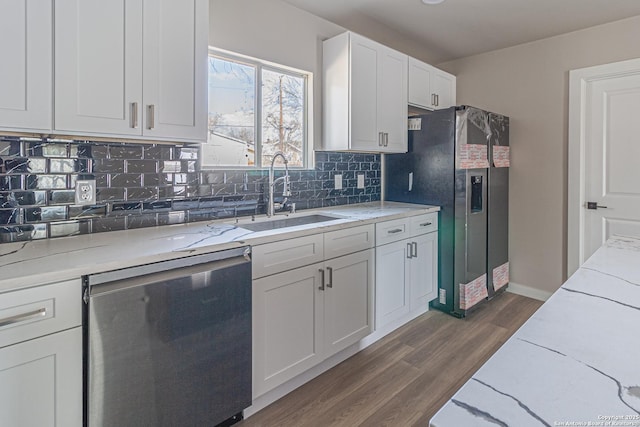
<point x="575" y="362"/>
<point x="39" y="262"/>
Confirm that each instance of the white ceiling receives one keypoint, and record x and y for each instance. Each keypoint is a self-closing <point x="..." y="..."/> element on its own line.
<point x="459" y="28"/>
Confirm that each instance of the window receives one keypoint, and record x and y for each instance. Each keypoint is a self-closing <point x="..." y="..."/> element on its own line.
<point x="255" y="110"/>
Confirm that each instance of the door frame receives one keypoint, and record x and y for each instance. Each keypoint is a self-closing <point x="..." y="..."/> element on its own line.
<point x="578" y="81"/>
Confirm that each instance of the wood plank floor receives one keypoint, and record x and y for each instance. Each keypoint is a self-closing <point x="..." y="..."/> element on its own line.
<point x="403" y="379"/>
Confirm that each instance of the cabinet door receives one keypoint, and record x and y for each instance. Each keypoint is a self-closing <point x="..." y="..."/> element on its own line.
<point x="392" y="278"/>
<point x="175" y="68"/>
<point x="287" y="326"/>
<point x="424" y="270"/>
<point x="98" y="66"/>
<point x="364" y="96"/>
<point x="348" y="300"/>
<point x="25" y="77"/>
<point x="392" y="99"/>
<point x="41" y="381"/>
<point x="420" y="84"/>
<point x="444" y="86"/>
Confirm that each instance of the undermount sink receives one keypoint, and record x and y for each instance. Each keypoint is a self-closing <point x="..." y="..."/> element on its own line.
<point x="286" y="222"/>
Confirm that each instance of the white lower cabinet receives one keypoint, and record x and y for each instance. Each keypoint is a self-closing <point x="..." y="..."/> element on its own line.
<point x="41" y="381"/>
<point x="304" y="315"/>
<point x="41" y="356"/>
<point x="406" y="267"/>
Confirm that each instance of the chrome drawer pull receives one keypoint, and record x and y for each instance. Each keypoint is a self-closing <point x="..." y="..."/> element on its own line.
<point x="330" y="284"/>
<point x="424" y="224"/>
<point x="23" y="317"/>
<point x="394" y="231"/>
<point x="321" y="287"/>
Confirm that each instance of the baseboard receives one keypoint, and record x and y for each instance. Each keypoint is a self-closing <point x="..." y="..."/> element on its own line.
<point x="528" y="291"/>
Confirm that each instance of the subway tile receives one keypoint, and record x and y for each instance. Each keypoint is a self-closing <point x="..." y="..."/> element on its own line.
<point x="109" y="194"/>
<point x="46" y="182"/>
<point x="47" y="149"/>
<point x="24" y="198"/>
<point x="10" y="216"/>
<point x="170" y="166"/>
<point x="108" y="166"/>
<point x="168" y="218"/>
<point x="9" y="147"/>
<point x="210" y="202"/>
<point x="45" y="213"/>
<point x="186" y="153"/>
<point x="76" y="212"/>
<point x="101" y="225"/>
<point x="125" y="180"/>
<point x="157" y="152"/>
<point x="22" y="233"/>
<point x="185" y="204"/>
<point x="131" y="152"/>
<point x="141" y="221"/>
<point x="141" y="166"/>
<point x="25" y="165"/>
<point x="11" y="182"/>
<point x="149" y="180"/>
<point x="64" y="165"/>
<point x="146" y="193"/>
<point x="126" y="207"/>
<point x="69" y="228"/>
<point x="159" y="205"/>
<point x="93" y="151"/>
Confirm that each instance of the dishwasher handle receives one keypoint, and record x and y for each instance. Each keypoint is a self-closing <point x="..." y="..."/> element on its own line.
<point x="163" y="271"/>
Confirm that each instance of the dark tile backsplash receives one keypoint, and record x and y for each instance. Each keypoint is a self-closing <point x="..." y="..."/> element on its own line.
<point x="144" y="185"/>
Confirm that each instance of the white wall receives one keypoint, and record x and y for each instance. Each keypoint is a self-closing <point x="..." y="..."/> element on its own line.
<point x="529" y="83"/>
<point x="274" y="31"/>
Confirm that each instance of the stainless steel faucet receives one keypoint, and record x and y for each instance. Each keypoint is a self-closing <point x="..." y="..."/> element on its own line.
<point x="286" y="192"/>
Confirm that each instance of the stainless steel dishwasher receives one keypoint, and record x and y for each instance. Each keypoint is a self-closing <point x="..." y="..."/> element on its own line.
<point x="169" y="344"/>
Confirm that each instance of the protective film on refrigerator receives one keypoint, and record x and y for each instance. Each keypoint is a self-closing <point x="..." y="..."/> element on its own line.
<point x="500" y="153"/>
<point x="468" y="155"/>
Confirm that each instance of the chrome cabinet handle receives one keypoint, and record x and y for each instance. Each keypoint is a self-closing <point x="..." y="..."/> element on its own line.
<point x="379" y="139"/>
<point x="409" y="252"/>
<point x="394" y="231"/>
<point x="415" y="249"/>
<point x="424" y="224"/>
<point x="321" y="287"/>
<point x="330" y="282"/>
<point x="23" y="317"/>
<point x="386" y="139"/>
<point x="152" y="116"/>
<point x="134" y="115"/>
<point x="437" y="100"/>
<point x="433" y="99"/>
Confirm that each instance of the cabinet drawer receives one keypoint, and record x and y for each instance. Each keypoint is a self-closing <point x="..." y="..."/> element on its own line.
<point x="425" y="223"/>
<point x="285" y="255"/>
<point x="33" y="312"/>
<point x="349" y="240"/>
<point x="392" y="231"/>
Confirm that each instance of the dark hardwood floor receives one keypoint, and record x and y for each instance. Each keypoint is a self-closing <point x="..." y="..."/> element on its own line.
<point x="403" y="379"/>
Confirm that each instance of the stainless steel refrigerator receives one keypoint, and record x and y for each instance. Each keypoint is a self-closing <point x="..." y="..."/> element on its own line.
<point x="458" y="159"/>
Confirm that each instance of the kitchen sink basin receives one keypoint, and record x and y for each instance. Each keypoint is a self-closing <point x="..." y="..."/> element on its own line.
<point x="286" y="222"/>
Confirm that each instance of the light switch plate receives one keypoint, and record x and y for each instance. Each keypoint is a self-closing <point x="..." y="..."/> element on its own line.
<point x="361" y="180"/>
<point x="338" y="181"/>
<point x="86" y="192"/>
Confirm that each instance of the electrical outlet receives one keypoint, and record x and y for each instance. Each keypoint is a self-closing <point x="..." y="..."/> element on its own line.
<point x="338" y="181"/>
<point x="361" y="180"/>
<point x="86" y="192"/>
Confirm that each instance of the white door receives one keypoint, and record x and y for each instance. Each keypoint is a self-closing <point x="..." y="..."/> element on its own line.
<point x="175" y="68"/>
<point x="98" y="66"/>
<point x="347" y="300"/>
<point x="26" y="74"/>
<point x="287" y="326"/>
<point x="419" y="84"/>
<point x="444" y="86"/>
<point x="392" y="278"/>
<point x="424" y="270"/>
<point x="41" y="381"/>
<point x="392" y="100"/>
<point x="604" y="148"/>
<point x="364" y="94"/>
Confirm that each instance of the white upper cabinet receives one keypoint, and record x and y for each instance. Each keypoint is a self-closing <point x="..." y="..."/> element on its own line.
<point x="131" y="68"/>
<point x="175" y="64"/>
<point x="26" y="74"/>
<point x="430" y="87"/>
<point x="364" y="96"/>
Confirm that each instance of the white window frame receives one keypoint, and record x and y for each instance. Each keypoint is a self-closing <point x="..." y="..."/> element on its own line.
<point x="307" y="131"/>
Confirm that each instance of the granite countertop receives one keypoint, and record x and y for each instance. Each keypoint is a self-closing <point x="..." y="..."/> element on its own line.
<point x="574" y="362"/>
<point x="38" y="262"/>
